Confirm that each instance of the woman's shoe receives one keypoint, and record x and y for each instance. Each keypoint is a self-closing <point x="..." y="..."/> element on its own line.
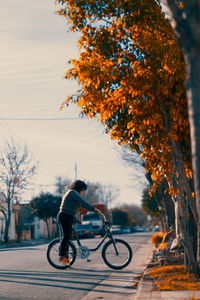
<point x="64" y="259"/>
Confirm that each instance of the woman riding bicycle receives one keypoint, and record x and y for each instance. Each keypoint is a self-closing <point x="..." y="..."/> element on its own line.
<point x="71" y="202"/>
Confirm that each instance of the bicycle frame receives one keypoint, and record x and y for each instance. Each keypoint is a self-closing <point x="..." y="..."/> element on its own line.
<point x="98" y="246"/>
<point x="110" y="246"/>
<point x="108" y="234"/>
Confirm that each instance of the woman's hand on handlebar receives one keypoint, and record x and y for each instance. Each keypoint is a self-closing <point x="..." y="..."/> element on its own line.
<point x="98" y="211"/>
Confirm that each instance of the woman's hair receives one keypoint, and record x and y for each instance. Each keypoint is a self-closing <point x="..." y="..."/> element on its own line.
<point x="78" y="185"/>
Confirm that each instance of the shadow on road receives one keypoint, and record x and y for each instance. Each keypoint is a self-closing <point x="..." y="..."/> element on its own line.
<point x="75" y="279"/>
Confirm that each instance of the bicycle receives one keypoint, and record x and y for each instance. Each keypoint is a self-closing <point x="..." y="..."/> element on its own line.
<point x="116" y="253"/>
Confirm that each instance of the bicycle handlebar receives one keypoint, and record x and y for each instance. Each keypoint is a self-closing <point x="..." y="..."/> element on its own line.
<point x="105" y="221"/>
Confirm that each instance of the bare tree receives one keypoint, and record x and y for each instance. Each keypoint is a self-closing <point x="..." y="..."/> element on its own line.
<point x="16" y="171"/>
<point x="62" y="185"/>
<point x="96" y="192"/>
<point x="107" y="194"/>
<point x="133" y="160"/>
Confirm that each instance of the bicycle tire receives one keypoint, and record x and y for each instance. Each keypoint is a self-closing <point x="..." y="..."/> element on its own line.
<point x="123" y="258"/>
<point x="53" y="254"/>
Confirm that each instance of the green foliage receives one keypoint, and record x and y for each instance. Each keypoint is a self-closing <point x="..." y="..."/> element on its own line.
<point x="136" y="214"/>
<point x="120" y="217"/>
<point x="45" y="206"/>
<point x="150" y="203"/>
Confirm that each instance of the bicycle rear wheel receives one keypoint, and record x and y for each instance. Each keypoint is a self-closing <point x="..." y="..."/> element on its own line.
<point x="117" y="257"/>
<point x="53" y="254"/>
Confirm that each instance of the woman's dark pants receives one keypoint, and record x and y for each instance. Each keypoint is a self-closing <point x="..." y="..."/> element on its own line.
<point x="66" y="222"/>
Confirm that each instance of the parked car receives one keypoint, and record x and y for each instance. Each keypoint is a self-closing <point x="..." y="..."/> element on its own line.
<point x="116" y="229"/>
<point x="156" y="228"/>
<point x="139" y="229"/>
<point x="126" y="230"/>
<point x="84" y="230"/>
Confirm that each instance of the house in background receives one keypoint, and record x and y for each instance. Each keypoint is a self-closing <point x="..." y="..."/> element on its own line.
<point x="39" y="228"/>
<point x="25" y="226"/>
<point x="11" y="229"/>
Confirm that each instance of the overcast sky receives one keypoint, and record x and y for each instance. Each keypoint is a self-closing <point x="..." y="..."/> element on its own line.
<point x="35" y="48"/>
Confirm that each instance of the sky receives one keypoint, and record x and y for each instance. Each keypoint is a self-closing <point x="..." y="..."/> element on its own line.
<point x="34" y="53"/>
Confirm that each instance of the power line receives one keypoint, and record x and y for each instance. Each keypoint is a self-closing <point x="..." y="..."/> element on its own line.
<point x="38" y="119"/>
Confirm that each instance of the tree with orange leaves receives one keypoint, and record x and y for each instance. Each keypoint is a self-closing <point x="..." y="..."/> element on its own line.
<point x="184" y="17"/>
<point x="131" y="77"/>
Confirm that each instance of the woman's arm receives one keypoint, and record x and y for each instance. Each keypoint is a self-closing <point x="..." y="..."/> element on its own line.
<point x="83" y="202"/>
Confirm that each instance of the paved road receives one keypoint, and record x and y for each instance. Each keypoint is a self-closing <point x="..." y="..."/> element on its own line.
<point x="25" y="274"/>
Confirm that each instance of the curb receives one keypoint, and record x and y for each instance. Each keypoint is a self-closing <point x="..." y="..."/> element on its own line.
<point x="144" y="289"/>
<point x="124" y="287"/>
<point x="24" y="244"/>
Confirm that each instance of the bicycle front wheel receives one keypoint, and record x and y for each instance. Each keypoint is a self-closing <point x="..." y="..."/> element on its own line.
<point x="117" y="254"/>
<point x="53" y="254"/>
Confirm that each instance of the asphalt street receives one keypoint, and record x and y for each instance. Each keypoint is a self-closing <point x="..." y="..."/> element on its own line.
<point x="25" y="274"/>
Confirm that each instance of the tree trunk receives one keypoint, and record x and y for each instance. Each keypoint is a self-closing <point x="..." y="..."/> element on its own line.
<point x="192" y="265"/>
<point x="182" y="184"/>
<point x="6" y="237"/>
<point x="194" y="115"/>
<point x="177" y="216"/>
<point x="186" y="25"/>
<point x="48" y="233"/>
<point x="7" y="225"/>
<point x="182" y="233"/>
<point x="168" y="205"/>
<point x="182" y="180"/>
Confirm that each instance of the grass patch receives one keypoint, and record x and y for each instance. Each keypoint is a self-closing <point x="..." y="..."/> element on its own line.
<point x="172" y="278"/>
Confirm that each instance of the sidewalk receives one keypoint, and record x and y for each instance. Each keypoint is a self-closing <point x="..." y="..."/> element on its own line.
<point x="24" y="243"/>
<point x="122" y="284"/>
<point x="145" y="291"/>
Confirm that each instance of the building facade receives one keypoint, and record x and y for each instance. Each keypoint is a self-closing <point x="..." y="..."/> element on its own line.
<point x="25" y="226"/>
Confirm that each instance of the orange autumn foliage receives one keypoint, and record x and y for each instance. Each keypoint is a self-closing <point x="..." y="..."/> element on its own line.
<point x="131" y="77"/>
<point x="157" y="238"/>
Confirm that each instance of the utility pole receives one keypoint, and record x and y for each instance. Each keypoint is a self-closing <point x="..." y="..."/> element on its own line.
<point x="75" y="170"/>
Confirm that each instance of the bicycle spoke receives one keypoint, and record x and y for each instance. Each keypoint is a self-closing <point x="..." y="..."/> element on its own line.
<point x="54" y="258"/>
<point x="118" y="256"/>
<point x="116" y="253"/>
<point x="115" y="258"/>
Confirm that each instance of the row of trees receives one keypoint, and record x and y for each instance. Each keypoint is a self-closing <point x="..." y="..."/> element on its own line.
<point x="128" y="215"/>
<point x="46" y="206"/>
<point x="17" y="169"/>
<point x="95" y="193"/>
<point x="131" y="75"/>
